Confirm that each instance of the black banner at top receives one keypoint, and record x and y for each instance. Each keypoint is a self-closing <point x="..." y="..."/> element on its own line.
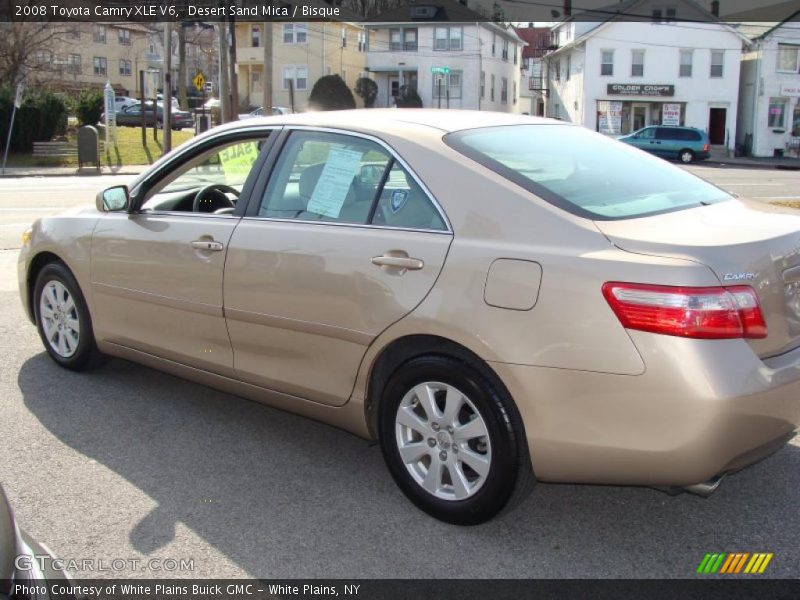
<point x="541" y="12"/>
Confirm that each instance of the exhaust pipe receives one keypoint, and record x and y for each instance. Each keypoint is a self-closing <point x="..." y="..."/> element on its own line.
<point x="706" y="488"/>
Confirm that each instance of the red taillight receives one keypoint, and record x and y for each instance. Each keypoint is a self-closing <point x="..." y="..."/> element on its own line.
<point x="694" y="312"/>
<point x="705" y="147"/>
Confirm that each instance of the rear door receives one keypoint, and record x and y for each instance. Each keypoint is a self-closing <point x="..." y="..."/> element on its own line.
<point x="341" y="242"/>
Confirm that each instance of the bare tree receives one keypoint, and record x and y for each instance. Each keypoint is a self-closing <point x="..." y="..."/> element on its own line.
<point x="27" y="50"/>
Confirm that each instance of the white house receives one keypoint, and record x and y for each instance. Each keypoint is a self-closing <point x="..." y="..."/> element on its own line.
<point x="677" y="66"/>
<point x="441" y="48"/>
<point x="769" y="96"/>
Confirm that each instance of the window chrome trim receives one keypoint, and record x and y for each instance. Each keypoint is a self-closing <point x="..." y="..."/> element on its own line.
<point x="342" y="224"/>
<point x="394" y="154"/>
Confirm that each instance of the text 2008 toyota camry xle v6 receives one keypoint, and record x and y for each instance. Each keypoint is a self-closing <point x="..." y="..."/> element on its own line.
<point x="494" y="298"/>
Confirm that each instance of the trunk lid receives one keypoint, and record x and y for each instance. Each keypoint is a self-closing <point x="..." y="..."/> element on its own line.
<point x="743" y="243"/>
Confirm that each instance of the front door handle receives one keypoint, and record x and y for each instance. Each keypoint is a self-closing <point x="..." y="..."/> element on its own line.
<point x="210" y="245"/>
<point x="403" y="263"/>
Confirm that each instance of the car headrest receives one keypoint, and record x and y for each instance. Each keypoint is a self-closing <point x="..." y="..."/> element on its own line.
<point x="308" y="180"/>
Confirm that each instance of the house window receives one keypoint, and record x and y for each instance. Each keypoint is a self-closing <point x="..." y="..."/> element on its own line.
<point x="403" y="40"/>
<point x="491" y="90"/>
<point x="74" y="63"/>
<point x="255" y="77"/>
<point x="607" y="63"/>
<point x="568" y="68"/>
<point x="124" y="37"/>
<point x="448" y="38"/>
<point x="99" y="34"/>
<point x="296" y="77"/>
<point x="295" y="33"/>
<point x="344" y="36"/>
<point x="558" y="70"/>
<point x="637" y="63"/>
<point x="450" y="83"/>
<point x="685" y="69"/>
<point x="788" y="58"/>
<point x="664" y="14"/>
<point x="505" y="49"/>
<point x="716" y="63"/>
<point x="125" y="68"/>
<point x="483" y="84"/>
<point x="514" y="93"/>
<point x="99" y="65"/>
<point x="557" y="111"/>
<point x="514" y="52"/>
<point x="494" y="43"/>
<point x="504" y="90"/>
<point x="362" y="37"/>
<point x="777" y="113"/>
<point x="255" y="36"/>
<point x="344" y="74"/>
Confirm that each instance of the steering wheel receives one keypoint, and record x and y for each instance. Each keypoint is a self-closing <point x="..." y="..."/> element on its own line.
<point x="213" y="197"/>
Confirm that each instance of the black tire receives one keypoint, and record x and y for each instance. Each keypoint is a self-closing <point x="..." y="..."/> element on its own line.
<point x="85" y="354"/>
<point x="686" y="156"/>
<point x="510" y="475"/>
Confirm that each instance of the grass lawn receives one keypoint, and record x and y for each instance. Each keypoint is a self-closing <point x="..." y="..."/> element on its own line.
<point x="127" y="151"/>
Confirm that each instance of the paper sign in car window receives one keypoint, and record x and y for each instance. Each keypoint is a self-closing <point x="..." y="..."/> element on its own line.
<point x="334" y="182"/>
<point x="237" y="161"/>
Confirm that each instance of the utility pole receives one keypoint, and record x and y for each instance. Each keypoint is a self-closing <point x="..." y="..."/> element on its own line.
<point x="266" y="75"/>
<point x="167" y="95"/>
<point x="234" y="80"/>
<point x="224" y="88"/>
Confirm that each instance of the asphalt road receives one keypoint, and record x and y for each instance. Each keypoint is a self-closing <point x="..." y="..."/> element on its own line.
<point x="128" y="463"/>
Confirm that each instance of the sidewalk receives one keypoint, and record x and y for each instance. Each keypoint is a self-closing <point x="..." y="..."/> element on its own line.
<point x="69" y="171"/>
<point x="719" y="158"/>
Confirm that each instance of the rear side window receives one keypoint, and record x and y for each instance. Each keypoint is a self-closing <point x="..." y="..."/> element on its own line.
<point x="583" y="172"/>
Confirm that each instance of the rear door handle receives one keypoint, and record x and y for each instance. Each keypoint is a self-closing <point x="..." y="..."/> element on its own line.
<point x="208" y="245"/>
<point x="398" y="262"/>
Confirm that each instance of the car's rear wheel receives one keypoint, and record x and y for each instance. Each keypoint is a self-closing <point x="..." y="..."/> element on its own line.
<point x="453" y="442"/>
<point x="686" y="156"/>
<point x="63" y="320"/>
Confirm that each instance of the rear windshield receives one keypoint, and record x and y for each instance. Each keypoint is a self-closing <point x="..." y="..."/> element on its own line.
<point x="584" y="172"/>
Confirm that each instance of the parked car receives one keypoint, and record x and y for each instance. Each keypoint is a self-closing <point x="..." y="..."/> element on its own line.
<point x="122" y="102"/>
<point x="132" y="117"/>
<point x="259" y="112"/>
<point x="685" y="144"/>
<point x="173" y="99"/>
<point x="511" y="296"/>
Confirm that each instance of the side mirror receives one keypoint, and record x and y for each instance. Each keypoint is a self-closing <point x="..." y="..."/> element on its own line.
<point x="113" y="199"/>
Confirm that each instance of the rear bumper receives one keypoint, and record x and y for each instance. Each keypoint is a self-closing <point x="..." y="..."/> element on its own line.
<point x="702" y="408"/>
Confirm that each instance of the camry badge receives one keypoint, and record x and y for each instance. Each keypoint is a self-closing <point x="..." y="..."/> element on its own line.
<point x="739" y="276"/>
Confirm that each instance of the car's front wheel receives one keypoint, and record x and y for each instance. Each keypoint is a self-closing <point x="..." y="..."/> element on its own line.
<point x="453" y="442"/>
<point x="63" y="320"/>
<point x="686" y="156"/>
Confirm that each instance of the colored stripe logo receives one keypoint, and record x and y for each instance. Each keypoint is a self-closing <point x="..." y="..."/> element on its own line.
<point x="733" y="563"/>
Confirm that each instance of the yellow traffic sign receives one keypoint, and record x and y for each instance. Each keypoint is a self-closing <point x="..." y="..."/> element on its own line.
<point x="199" y="81"/>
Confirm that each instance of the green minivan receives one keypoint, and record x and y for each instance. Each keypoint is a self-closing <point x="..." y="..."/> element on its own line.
<point x="686" y="144"/>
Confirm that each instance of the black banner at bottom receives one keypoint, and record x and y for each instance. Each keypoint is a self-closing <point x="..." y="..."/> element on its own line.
<point x="390" y="589"/>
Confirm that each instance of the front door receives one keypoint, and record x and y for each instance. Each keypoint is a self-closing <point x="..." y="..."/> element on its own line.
<point x="716" y="125"/>
<point x="157" y="272"/>
<point x="394" y="90"/>
<point x="639" y="116"/>
<point x="341" y="244"/>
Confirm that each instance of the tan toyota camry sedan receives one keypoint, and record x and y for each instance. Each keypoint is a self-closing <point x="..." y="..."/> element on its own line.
<point x="495" y="298"/>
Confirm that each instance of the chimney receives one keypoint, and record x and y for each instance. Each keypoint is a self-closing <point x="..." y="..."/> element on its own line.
<point x="567" y="8"/>
<point x="715" y="8"/>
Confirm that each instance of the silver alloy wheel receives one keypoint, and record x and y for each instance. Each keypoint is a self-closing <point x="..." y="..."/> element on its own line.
<point x="60" y="320"/>
<point x="686" y="156"/>
<point x="443" y="440"/>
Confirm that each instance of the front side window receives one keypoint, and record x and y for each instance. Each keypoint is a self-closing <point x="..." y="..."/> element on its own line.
<point x="685" y="69"/>
<point x="607" y="63"/>
<point x="788" y="58"/>
<point x="717" y="57"/>
<point x="777" y="113"/>
<point x="637" y="63"/>
<point x="226" y="165"/>
<point x="584" y="172"/>
<point x="336" y="178"/>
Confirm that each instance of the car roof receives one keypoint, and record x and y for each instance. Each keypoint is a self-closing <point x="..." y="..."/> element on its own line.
<point x="377" y="119"/>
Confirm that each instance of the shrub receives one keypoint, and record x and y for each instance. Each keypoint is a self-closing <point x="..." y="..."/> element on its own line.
<point x="408" y="97"/>
<point x="89" y="107"/>
<point x="41" y="116"/>
<point x="367" y="90"/>
<point x="331" y="93"/>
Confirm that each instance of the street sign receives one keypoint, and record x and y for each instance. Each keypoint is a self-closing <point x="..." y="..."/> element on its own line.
<point x="199" y="81"/>
<point x="441" y="70"/>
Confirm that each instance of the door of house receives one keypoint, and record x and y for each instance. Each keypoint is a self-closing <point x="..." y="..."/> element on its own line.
<point x="716" y="125"/>
<point x="639" y="116"/>
<point x="394" y="89"/>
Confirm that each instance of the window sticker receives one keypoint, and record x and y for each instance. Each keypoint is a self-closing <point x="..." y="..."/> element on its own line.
<point x="237" y="161"/>
<point x="398" y="200"/>
<point x="334" y="182"/>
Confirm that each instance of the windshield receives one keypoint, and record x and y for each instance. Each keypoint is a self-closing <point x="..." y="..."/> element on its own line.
<point x="584" y="172"/>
